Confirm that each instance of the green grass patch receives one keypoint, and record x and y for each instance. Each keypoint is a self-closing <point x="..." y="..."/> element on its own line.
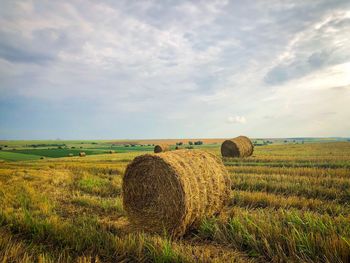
<point x="14" y="156"/>
<point x="56" y="153"/>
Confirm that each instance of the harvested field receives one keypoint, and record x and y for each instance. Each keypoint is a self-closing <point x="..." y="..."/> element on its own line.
<point x="71" y="209"/>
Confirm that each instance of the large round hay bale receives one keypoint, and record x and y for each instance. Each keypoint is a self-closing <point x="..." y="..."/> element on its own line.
<point x="161" y="148"/>
<point x="173" y="191"/>
<point x="82" y="154"/>
<point x="240" y="146"/>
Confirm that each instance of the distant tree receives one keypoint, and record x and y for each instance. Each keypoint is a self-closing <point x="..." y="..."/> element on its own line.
<point x="190" y="143"/>
<point x="0" y="148"/>
<point x="198" y="143"/>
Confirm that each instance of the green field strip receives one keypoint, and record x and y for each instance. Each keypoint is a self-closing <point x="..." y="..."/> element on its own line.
<point x="291" y="165"/>
<point x="342" y="184"/>
<point x="11" y="156"/>
<point x="305" y="190"/>
<point x="254" y="200"/>
<point x="292" y="171"/>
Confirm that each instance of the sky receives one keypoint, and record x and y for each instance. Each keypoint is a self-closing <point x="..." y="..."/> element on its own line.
<point x="174" y="69"/>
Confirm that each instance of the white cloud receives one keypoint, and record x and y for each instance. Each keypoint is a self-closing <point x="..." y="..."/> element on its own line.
<point x="236" y="119"/>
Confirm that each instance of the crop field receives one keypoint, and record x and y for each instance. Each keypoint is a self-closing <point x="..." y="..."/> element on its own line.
<point x="289" y="203"/>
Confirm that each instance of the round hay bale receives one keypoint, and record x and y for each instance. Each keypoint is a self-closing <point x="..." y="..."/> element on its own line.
<point x="240" y="146"/>
<point x="111" y="151"/>
<point x="173" y="191"/>
<point x="70" y="155"/>
<point x="161" y="148"/>
<point x="82" y="154"/>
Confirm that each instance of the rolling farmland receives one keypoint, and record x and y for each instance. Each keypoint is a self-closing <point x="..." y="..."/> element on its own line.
<point x="289" y="202"/>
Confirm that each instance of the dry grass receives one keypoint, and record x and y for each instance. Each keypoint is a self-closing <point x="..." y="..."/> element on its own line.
<point x="289" y="203"/>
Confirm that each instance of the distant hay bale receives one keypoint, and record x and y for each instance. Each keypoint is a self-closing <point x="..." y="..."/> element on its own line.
<point x="111" y="151"/>
<point x="42" y="157"/>
<point x="173" y="191"/>
<point x="161" y="148"/>
<point x="82" y="154"/>
<point x="70" y="155"/>
<point x="240" y="146"/>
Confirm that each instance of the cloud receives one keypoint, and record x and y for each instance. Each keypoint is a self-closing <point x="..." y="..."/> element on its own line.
<point x="318" y="46"/>
<point x="237" y="119"/>
<point x="172" y="64"/>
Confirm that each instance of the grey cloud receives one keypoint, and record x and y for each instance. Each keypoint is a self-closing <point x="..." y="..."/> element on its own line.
<point x="42" y="46"/>
<point x="19" y="54"/>
<point x="318" y="48"/>
<point x="298" y="68"/>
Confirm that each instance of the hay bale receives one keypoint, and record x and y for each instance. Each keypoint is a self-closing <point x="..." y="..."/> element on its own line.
<point x="70" y="155"/>
<point x="111" y="151"/>
<point x="240" y="146"/>
<point x="82" y="154"/>
<point x="161" y="148"/>
<point x="173" y="191"/>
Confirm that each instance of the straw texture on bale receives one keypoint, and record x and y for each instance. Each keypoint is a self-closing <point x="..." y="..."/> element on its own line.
<point x="173" y="191"/>
<point x="161" y="148"/>
<point x="240" y="146"/>
<point x="82" y="154"/>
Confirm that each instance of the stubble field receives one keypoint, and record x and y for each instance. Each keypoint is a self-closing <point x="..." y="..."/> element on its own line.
<point x="290" y="203"/>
